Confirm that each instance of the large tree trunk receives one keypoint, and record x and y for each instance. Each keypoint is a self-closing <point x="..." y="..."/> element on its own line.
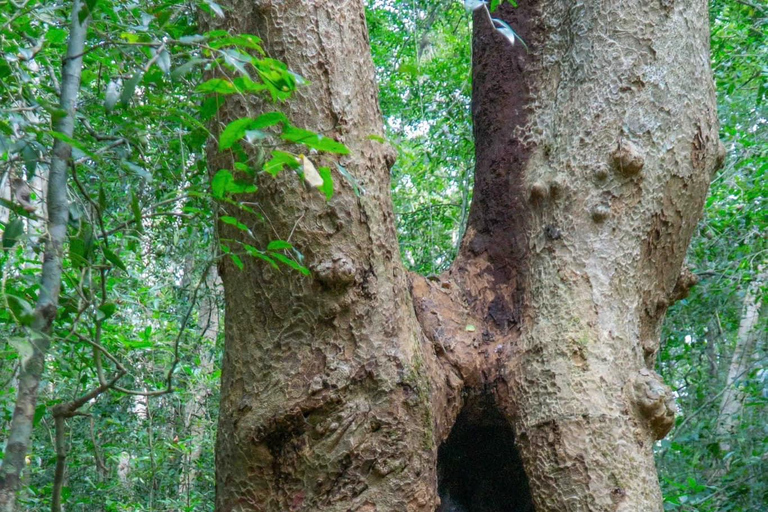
<point x="594" y="153"/>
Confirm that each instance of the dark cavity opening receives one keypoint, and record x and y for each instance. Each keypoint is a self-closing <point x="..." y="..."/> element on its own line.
<point x="478" y="466"/>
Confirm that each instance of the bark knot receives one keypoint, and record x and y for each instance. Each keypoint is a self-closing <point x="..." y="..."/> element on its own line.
<point x="600" y="212"/>
<point x="721" y="154"/>
<point x="654" y="402"/>
<point x="685" y="281"/>
<point x="336" y="270"/>
<point x="539" y="191"/>
<point x="627" y="159"/>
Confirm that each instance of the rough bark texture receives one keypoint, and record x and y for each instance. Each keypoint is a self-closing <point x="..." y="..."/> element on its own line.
<point x="325" y="402"/>
<point x="613" y="139"/>
<point x="594" y="154"/>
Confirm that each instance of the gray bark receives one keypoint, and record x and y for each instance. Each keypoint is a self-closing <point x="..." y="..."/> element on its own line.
<point x="732" y="402"/>
<point x="50" y="282"/>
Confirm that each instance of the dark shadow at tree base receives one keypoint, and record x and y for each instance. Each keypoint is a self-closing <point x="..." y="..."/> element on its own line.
<point x="479" y="468"/>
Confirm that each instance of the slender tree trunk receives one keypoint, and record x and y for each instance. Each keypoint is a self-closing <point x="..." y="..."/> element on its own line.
<point x="195" y="414"/>
<point x="61" y="461"/>
<point x="594" y="153"/>
<point x="713" y="336"/>
<point x="5" y="193"/>
<point x="732" y="401"/>
<point x="50" y="285"/>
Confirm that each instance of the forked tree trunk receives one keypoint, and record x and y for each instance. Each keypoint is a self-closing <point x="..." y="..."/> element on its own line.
<point x="594" y="154"/>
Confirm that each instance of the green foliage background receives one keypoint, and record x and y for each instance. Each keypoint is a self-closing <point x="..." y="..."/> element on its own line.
<point x="142" y="171"/>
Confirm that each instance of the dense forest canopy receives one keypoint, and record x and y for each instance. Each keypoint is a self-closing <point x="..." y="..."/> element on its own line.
<point x="128" y="400"/>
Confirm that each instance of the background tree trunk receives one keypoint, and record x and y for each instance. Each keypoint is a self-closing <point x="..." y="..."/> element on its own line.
<point x="46" y="308"/>
<point x="594" y="153"/>
<point x="196" y="420"/>
<point x="741" y="362"/>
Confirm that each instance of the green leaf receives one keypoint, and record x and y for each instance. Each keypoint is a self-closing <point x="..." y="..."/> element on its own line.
<point x="327" y="188"/>
<point x="102" y="199"/>
<point x="30" y="156"/>
<point x="136" y="209"/>
<point x="244" y="84"/>
<point x="114" y="259"/>
<point x="130" y="88"/>
<point x="55" y="36"/>
<point x="217" y="85"/>
<point x="39" y="413"/>
<point x="268" y="119"/>
<point x="236" y="260"/>
<point x="81" y="247"/>
<point x="224" y="183"/>
<point x="85" y="11"/>
<point x="23" y="347"/>
<point x="214" y="34"/>
<point x="351" y="179"/>
<point x="251" y="250"/>
<point x="137" y="345"/>
<point x="278" y="245"/>
<point x="279" y="160"/>
<point x="237" y="60"/>
<point x="137" y="169"/>
<point x="215" y="8"/>
<point x="246" y="41"/>
<point x="289" y="262"/>
<point x="130" y="37"/>
<point x="377" y="138"/>
<point x="240" y="166"/>
<point x="13" y="231"/>
<point x="237" y="129"/>
<point x="22" y="311"/>
<point x="164" y="61"/>
<point x="185" y="68"/>
<point x="234" y="222"/>
<point x="234" y="132"/>
<point x="108" y="309"/>
<point x="91" y="4"/>
<point x="313" y="140"/>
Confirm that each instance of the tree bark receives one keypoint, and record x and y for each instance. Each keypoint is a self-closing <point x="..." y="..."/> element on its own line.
<point x="594" y="154"/>
<point x="50" y="282"/>
<point x="732" y="401"/>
